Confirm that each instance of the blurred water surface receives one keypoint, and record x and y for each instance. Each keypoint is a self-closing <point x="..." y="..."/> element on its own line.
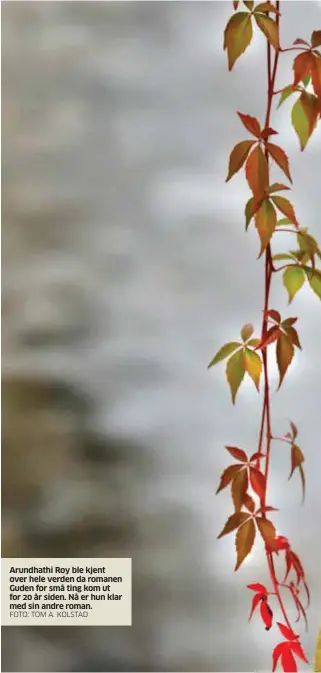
<point x="125" y="267"/>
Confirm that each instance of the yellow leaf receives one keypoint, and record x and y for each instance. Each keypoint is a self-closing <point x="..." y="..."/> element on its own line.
<point x="284" y="354"/>
<point x="234" y="521"/>
<point x="235" y="373"/>
<point x="269" y="28"/>
<point x="237" y="36"/>
<point x="253" y="366"/>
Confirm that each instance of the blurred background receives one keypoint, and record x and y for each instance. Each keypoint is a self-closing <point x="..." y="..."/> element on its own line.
<point x="125" y="267"/>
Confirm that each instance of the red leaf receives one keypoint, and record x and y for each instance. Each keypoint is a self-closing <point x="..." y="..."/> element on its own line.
<point x="228" y="475"/>
<point x="255" y="601"/>
<point x="256" y="172"/>
<point x="260" y="588"/>
<point x="297" y="648"/>
<point x="258" y="482"/>
<point x="257" y="456"/>
<point x="236" y="4"/>
<point x="266" y="614"/>
<point x="238" y="156"/>
<point x="280" y="158"/>
<point x="237" y="453"/>
<point x="300" y="41"/>
<point x="282" y="543"/>
<point x="302" y="66"/>
<point x="286" y="632"/>
<point x="316" y="38"/>
<point x="267" y="509"/>
<point x="316" y="76"/>
<point x="251" y="124"/>
<point x="274" y="315"/>
<point x="276" y="654"/>
<point x="268" y="132"/>
<point x="272" y="335"/>
<point x="288" y="661"/>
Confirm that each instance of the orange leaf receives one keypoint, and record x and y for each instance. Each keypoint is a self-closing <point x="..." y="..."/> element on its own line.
<point x="238" y="156"/>
<point x="237" y="453"/>
<point x="286" y="208"/>
<point x="266" y="7"/>
<point x="302" y="66"/>
<point x="272" y="313"/>
<point x="237" y="36"/>
<point x="239" y="489"/>
<point x="251" y="124"/>
<point x="280" y="158"/>
<point x="227" y="476"/>
<point x="284" y="354"/>
<point x="267" y="531"/>
<point x="256" y="172"/>
<point x="233" y="522"/>
<point x="245" y="537"/>
<point x="272" y="335"/>
<point x="265" y="222"/>
<point x="258" y="483"/>
<point x="269" y="28"/>
<point x="249" y="503"/>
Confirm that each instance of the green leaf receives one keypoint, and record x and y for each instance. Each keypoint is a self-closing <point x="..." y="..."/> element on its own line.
<point x="269" y="28"/>
<point x="293" y="279"/>
<point x="287" y="91"/>
<point x="237" y="36"/>
<point x="247" y="331"/>
<point x="314" y="278"/>
<point x="253" y="366"/>
<point x="235" y="372"/>
<point x="281" y="256"/>
<point x="300" y="123"/>
<point x="223" y="353"/>
<point x="283" y="222"/>
<point x="254" y="343"/>
<point x="306" y="80"/>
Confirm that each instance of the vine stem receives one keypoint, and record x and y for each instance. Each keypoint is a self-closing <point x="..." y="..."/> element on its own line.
<point x="266" y="410"/>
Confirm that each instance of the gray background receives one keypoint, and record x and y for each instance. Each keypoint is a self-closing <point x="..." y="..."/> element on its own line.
<point x="125" y="267"/>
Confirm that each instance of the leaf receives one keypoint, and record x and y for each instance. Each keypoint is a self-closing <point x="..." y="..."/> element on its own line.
<point x="235" y="373"/>
<point x="281" y="256"/>
<point x="253" y="366"/>
<point x="288" y="661"/>
<point x="297" y="458"/>
<point x="255" y="601"/>
<point x="286" y="632"/>
<point x="287" y="91"/>
<point x="267" y="531"/>
<point x="223" y="353"/>
<point x="285" y="207"/>
<point x="249" y="503"/>
<point x="256" y="172"/>
<point x="260" y="588"/>
<point x="268" y="132"/>
<point x="238" y="156"/>
<point x="236" y="4"/>
<point x="269" y="28"/>
<point x="275" y="315"/>
<point x="245" y="537"/>
<point x="296" y="647"/>
<point x="283" y="222"/>
<point x="239" y="489"/>
<point x="277" y="187"/>
<point x="247" y="331"/>
<point x="233" y="522"/>
<point x="268" y="508"/>
<point x="265" y="222"/>
<point x="272" y="335"/>
<point x="300" y="41"/>
<point x="276" y="655"/>
<point x="294" y="430"/>
<point x="314" y="278"/>
<point x="254" y="343"/>
<point x="227" y="476"/>
<point x="237" y="36"/>
<point x="249" y="4"/>
<point x="279" y="156"/>
<point x="237" y="453"/>
<point x="300" y="123"/>
<point x="302" y="65"/>
<point x="265" y="7"/>
<point x="316" y="76"/>
<point x="316" y="38"/>
<point x="251" y="208"/>
<point x="292" y="333"/>
<point x="258" y="483"/>
<point x="293" y="279"/>
<point x="266" y="614"/>
<point x="284" y="355"/>
<point x="310" y="106"/>
<point x="251" y="124"/>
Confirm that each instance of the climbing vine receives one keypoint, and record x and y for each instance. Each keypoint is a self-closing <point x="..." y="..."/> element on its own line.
<point x="271" y="213"/>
